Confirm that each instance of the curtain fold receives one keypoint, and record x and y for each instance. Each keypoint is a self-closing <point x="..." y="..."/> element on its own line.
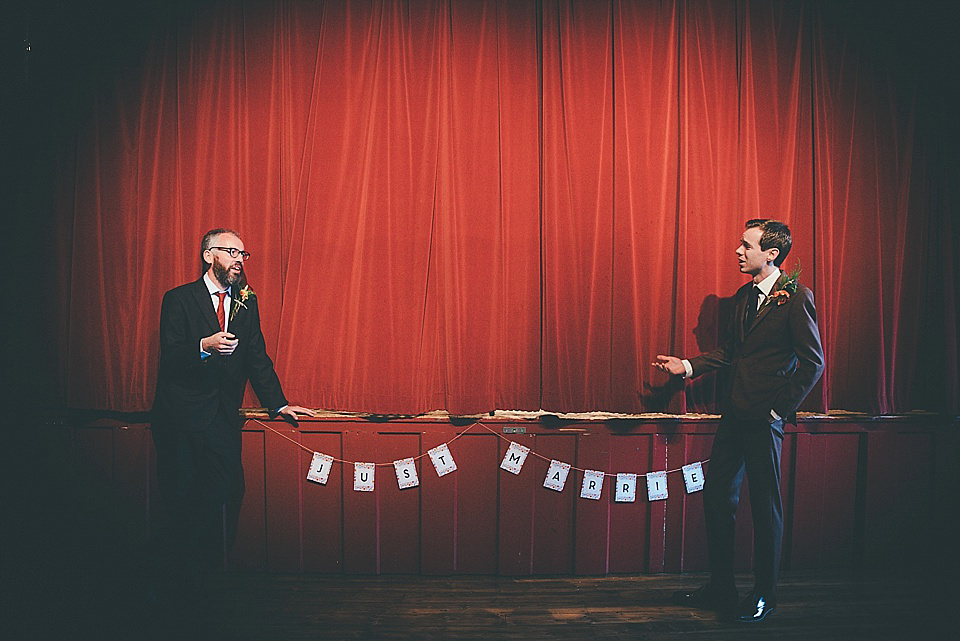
<point x="577" y="204"/>
<point x="645" y="243"/>
<point x="489" y="205"/>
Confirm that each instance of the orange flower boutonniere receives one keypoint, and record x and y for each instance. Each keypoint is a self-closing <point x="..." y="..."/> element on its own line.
<point x="783" y="294"/>
<point x="780" y="296"/>
<point x="240" y="300"/>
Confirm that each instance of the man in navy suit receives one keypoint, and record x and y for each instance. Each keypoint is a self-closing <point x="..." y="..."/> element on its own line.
<point x="210" y="346"/>
<point x="775" y="358"/>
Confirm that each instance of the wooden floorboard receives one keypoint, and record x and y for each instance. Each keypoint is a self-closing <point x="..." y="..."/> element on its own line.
<point x="248" y="606"/>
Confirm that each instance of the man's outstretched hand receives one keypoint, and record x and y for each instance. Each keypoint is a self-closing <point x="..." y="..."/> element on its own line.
<point x="670" y="365"/>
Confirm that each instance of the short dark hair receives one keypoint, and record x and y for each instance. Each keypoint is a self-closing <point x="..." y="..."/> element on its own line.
<point x="775" y="234"/>
<point x="208" y="241"/>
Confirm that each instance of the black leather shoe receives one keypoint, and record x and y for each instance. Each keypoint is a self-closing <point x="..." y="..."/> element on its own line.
<point x="755" y="608"/>
<point x="707" y="598"/>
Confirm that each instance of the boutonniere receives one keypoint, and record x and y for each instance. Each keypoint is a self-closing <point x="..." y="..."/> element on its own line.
<point x="241" y="299"/>
<point x="789" y="288"/>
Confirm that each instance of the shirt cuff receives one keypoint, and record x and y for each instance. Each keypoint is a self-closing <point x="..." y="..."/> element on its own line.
<point x="775" y="416"/>
<point x="688" y="367"/>
<point x="203" y="355"/>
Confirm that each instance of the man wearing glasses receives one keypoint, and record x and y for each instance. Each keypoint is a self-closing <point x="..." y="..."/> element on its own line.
<point x="210" y="346"/>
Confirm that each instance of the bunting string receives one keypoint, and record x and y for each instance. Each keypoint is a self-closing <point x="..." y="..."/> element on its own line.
<point x="343" y="461"/>
<point x="417" y="458"/>
<point x="572" y="467"/>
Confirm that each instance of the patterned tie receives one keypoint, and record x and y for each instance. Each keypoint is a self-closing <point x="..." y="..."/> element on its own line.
<point x="221" y="316"/>
<point x="753" y="301"/>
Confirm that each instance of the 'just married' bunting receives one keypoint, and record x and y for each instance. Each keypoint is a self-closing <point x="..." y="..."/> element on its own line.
<point x="625" y="490"/>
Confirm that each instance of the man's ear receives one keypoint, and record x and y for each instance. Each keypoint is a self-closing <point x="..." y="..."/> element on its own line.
<point x="772" y="254"/>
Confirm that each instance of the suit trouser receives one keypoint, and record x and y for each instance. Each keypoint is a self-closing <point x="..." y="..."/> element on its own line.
<point x="201" y="485"/>
<point x="753" y="446"/>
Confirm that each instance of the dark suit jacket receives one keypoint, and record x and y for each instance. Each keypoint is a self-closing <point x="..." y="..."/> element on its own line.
<point x="191" y="391"/>
<point x="775" y="362"/>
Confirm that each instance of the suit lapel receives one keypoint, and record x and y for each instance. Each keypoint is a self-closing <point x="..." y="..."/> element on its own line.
<point x="233" y="312"/>
<point x="767" y="304"/>
<point x="203" y="299"/>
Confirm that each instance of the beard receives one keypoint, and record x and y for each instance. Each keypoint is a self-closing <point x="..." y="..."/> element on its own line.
<point x="225" y="276"/>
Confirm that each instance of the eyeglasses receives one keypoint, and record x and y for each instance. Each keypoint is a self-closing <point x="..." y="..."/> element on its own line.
<point x="234" y="252"/>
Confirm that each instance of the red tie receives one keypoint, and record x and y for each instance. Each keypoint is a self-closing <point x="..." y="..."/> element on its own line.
<point x="220" y="313"/>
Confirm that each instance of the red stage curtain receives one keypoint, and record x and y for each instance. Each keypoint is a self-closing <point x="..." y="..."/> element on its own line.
<point x="490" y="204"/>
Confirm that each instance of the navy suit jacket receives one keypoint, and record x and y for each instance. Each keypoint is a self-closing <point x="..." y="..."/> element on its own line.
<point x="775" y="362"/>
<point x="191" y="390"/>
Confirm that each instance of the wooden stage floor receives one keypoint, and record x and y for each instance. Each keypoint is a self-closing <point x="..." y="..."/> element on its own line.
<point x="248" y="606"/>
